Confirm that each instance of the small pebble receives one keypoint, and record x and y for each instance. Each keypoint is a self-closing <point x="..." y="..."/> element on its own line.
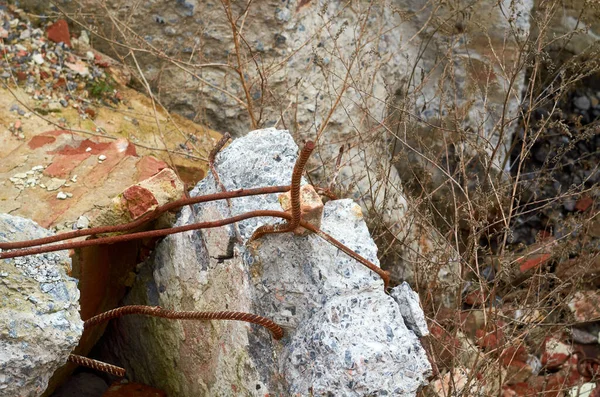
<point x="38" y="58"/>
<point x="582" y="103"/>
<point x="61" y="196"/>
<point x="89" y="149"/>
<point x="569" y="205"/>
<point x="25" y="34"/>
<point x="54" y="106"/>
<point x="54" y="184"/>
<point x="101" y="157"/>
<point x="82" y="222"/>
<point x="84" y="38"/>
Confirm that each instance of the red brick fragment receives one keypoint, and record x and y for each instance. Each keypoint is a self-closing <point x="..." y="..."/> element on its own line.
<point x="533" y="261"/>
<point x="59" y="32"/>
<point x="489" y="340"/>
<point x="555" y="353"/>
<point x="149" y="166"/>
<point x="91" y="113"/>
<point x="101" y="61"/>
<point x="445" y="345"/>
<point x="584" y="203"/>
<point x="518" y="390"/>
<point x="585" y="305"/>
<point x="139" y="201"/>
<point x="475" y="298"/>
<point x="60" y="82"/>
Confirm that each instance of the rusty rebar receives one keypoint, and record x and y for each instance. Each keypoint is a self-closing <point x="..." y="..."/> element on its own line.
<point x="201" y="225"/>
<point x="142" y="235"/>
<point x="293" y="220"/>
<point x="146" y="218"/>
<point x="296" y="179"/>
<point x="292" y="224"/>
<point x="157" y="311"/>
<point x="97" y="365"/>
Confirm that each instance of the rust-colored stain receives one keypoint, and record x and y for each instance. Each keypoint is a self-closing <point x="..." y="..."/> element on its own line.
<point x="63" y="165"/>
<point x="149" y="166"/>
<point x="40" y="140"/>
<point x="96" y="147"/>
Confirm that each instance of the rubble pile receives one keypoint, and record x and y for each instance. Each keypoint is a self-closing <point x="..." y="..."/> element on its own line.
<point x="43" y="60"/>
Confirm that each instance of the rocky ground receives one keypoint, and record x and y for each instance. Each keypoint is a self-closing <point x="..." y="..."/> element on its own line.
<point x="560" y="175"/>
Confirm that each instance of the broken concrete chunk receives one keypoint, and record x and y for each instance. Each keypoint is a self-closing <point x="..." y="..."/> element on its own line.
<point x="82" y="222"/>
<point x="343" y="333"/>
<point x="39" y="312"/>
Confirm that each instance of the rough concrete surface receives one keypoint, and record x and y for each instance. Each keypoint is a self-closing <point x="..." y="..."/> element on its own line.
<point x="39" y="313"/>
<point x="410" y="307"/>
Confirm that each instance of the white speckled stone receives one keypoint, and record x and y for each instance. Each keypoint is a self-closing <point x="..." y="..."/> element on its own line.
<point x="356" y="345"/>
